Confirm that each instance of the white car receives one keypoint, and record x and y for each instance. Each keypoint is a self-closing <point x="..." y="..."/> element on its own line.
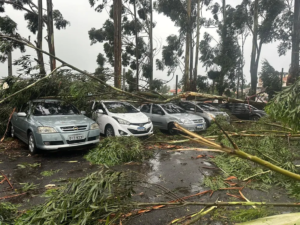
<point x="117" y="118"/>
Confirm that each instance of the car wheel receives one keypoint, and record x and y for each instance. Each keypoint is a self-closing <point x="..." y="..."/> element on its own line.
<point x="255" y="118"/>
<point x="207" y="123"/>
<point x="31" y="144"/>
<point x="171" y="129"/>
<point x="109" y="131"/>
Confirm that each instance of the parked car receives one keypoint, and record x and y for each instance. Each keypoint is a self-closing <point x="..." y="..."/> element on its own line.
<point x="203" y="110"/>
<point x="53" y="124"/>
<point x="163" y="116"/>
<point x="245" y="111"/>
<point x="117" y="118"/>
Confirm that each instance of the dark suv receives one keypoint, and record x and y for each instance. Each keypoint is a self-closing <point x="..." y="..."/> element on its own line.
<point x="245" y="111"/>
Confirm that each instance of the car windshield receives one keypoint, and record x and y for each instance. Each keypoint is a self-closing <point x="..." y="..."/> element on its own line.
<point x="170" y="108"/>
<point x="120" y="107"/>
<point x="49" y="108"/>
<point x="207" y="107"/>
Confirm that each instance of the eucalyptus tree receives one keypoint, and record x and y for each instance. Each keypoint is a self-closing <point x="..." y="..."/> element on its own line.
<point x="36" y="20"/>
<point x="260" y="17"/>
<point x="135" y="25"/>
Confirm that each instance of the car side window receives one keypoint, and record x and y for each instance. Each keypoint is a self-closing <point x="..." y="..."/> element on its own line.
<point x="145" y="108"/>
<point x="156" y="109"/>
<point x="187" y="106"/>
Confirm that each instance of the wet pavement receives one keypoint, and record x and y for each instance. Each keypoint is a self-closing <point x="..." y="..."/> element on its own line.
<point x="167" y="176"/>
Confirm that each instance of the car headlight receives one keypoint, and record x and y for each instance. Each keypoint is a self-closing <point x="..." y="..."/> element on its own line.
<point x="121" y="121"/>
<point x="94" y="126"/>
<point x="185" y="121"/>
<point x="46" y="130"/>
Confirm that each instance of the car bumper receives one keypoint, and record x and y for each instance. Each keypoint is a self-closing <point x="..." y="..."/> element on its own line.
<point x="132" y="130"/>
<point x="194" y="127"/>
<point x="56" y="141"/>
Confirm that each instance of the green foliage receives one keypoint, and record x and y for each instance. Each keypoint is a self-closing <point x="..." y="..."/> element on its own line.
<point x="242" y="215"/>
<point x="28" y="187"/>
<point x="49" y="173"/>
<point x="270" y="78"/>
<point x="215" y="182"/>
<point x="285" y="106"/>
<point x="87" y="200"/>
<point x="8" y="213"/>
<point x="116" y="150"/>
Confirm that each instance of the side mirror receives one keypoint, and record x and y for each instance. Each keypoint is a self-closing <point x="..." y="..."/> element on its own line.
<point x="83" y="112"/>
<point x="100" y="111"/>
<point x="22" y="114"/>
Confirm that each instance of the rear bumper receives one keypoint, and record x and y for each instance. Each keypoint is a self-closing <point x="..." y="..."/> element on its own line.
<point x="56" y="141"/>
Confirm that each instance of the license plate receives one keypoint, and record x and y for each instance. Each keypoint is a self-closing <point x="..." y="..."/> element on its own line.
<point x="199" y="126"/>
<point x="141" y="129"/>
<point x="75" y="137"/>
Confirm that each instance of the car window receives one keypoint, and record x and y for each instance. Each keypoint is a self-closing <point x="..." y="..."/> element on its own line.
<point x="120" y="107"/>
<point x="49" y="108"/>
<point x="207" y="107"/>
<point x="187" y="105"/>
<point x="171" y="108"/>
<point x="146" y="108"/>
<point x="156" y="109"/>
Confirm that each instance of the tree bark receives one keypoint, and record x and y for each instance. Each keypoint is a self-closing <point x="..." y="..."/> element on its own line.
<point x="136" y="47"/>
<point x="238" y="84"/>
<point x="151" y="45"/>
<point x="117" y="42"/>
<point x="191" y="62"/>
<point x="39" y="43"/>
<point x="294" y="71"/>
<point x="187" y="47"/>
<point x="9" y="62"/>
<point x="51" y="34"/>
<point x="253" y="65"/>
<point x="197" y="42"/>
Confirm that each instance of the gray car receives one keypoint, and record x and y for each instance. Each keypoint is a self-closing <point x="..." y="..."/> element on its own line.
<point x="163" y="116"/>
<point x="202" y="109"/>
<point x="52" y="124"/>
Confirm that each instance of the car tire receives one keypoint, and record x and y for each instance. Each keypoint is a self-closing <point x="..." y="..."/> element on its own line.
<point x="31" y="144"/>
<point x="109" y="131"/>
<point x="207" y="123"/>
<point x="171" y="129"/>
<point x="255" y="118"/>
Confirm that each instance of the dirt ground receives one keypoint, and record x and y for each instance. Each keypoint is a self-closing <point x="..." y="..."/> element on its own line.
<point x="173" y="173"/>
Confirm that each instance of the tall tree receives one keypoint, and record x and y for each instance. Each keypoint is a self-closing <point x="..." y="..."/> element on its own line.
<point x="51" y="34"/>
<point x="294" y="70"/>
<point x="187" y="47"/>
<point x="117" y="9"/>
<point x="40" y="39"/>
<point x="260" y="17"/>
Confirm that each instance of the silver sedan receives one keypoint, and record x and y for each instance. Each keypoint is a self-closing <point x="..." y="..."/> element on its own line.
<point x="53" y="124"/>
<point x="163" y="116"/>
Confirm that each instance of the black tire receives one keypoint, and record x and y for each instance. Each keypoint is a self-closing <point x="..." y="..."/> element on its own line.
<point x="207" y="123"/>
<point x="171" y="129"/>
<point x="31" y="144"/>
<point x="109" y="131"/>
<point x="255" y="118"/>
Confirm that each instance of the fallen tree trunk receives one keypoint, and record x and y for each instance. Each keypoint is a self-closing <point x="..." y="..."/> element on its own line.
<point x="237" y="152"/>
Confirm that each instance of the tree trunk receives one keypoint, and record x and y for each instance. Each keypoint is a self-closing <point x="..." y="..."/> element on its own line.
<point x="136" y="47"/>
<point x="187" y="47"/>
<point x="197" y="42"/>
<point x="294" y="71"/>
<point x="117" y="7"/>
<point x="220" y="86"/>
<point x="39" y="43"/>
<point x="253" y="67"/>
<point x="151" y="44"/>
<point x="9" y="61"/>
<point x="191" y="62"/>
<point x="238" y="84"/>
<point x="51" y="34"/>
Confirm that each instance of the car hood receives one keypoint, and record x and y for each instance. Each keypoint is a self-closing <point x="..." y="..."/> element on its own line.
<point x="62" y="120"/>
<point x="132" y="117"/>
<point x="186" y="116"/>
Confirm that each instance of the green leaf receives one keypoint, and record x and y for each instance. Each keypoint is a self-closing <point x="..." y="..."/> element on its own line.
<point x="283" y="219"/>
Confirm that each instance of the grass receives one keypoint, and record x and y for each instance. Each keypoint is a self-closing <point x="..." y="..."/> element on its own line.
<point x="8" y="213"/>
<point x="28" y="187"/>
<point x="117" y="150"/>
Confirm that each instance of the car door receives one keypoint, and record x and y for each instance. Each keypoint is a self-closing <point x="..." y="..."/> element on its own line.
<point x="22" y="124"/>
<point x="100" y="117"/>
<point x="157" y="116"/>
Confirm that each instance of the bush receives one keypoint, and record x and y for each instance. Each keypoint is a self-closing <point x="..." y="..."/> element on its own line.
<point x="116" y="150"/>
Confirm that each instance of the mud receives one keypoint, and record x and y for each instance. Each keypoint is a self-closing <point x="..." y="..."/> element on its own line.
<point x="167" y="176"/>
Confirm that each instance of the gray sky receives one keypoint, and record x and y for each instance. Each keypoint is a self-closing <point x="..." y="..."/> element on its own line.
<point x="73" y="44"/>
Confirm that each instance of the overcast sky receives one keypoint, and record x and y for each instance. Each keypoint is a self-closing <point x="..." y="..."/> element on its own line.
<point x="73" y="44"/>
